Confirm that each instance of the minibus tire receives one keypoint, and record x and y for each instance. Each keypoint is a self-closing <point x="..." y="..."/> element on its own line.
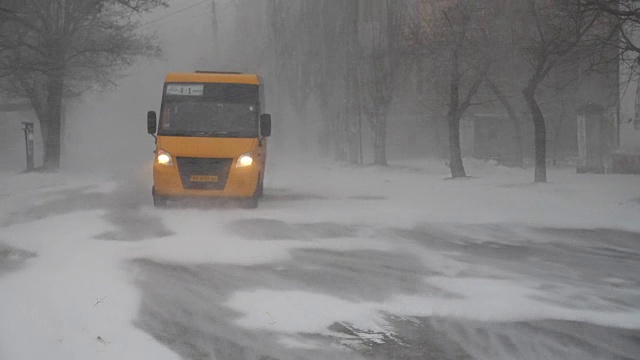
<point x="159" y="201"/>
<point x="250" y="203"/>
<point x="260" y="190"/>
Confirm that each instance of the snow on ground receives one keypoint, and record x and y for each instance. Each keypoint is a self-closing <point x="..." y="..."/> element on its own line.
<point x="75" y="296"/>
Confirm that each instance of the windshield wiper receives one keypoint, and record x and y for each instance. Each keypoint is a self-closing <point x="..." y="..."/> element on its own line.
<point x="176" y="133"/>
<point x="234" y="133"/>
<point x="205" y="133"/>
<point x="209" y="133"/>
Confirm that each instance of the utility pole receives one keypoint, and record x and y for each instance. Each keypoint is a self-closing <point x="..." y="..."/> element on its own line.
<point x="353" y="106"/>
<point x="214" y="21"/>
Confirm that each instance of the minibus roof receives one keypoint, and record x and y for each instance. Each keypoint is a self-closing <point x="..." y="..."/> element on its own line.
<point x="213" y="77"/>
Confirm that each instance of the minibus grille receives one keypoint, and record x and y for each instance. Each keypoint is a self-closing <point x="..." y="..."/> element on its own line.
<point x="204" y="173"/>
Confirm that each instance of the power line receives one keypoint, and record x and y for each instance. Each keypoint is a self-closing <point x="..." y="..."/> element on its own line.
<point x="173" y="13"/>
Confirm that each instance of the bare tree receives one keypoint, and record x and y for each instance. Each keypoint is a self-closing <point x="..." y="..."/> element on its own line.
<point x="295" y="48"/>
<point x="455" y="36"/>
<point x="330" y="83"/>
<point x="378" y="70"/>
<point x="344" y="60"/>
<point x="339" y="53"/>
<point x="627" y="12"/>
<point x="551" y="31"/>
<point x="58" y="48"/>
<point x="505" y="81"/>
<point x="518" y="158"/>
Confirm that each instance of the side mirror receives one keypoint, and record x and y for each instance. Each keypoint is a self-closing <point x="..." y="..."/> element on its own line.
<point x="265" y="125"/>
<point x="152" y="122"/>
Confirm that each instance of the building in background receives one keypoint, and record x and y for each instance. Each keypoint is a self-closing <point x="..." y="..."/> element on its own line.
<point x="626" y="159"/>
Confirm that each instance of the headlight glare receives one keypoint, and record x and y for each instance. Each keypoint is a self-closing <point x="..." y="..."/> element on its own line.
<point x="164" y="158"/>
<point x="244" y="160"/>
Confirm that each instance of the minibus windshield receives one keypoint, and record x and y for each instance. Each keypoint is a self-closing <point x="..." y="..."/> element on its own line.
<point x="210" y="110"/>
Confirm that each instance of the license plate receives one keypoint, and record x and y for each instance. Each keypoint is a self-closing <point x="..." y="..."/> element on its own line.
<point x="203" y="178"/>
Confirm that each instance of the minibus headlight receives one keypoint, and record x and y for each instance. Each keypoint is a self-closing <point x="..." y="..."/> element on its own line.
<point x="164" y="158"/>
<point x="244" y="160"/>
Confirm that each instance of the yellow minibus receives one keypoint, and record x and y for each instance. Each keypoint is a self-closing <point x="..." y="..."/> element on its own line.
<point x="210" y="138"/>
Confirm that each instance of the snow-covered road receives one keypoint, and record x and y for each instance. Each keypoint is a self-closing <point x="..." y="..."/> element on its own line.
<point x="336" y="263"/>
<point x="432" y="293"/>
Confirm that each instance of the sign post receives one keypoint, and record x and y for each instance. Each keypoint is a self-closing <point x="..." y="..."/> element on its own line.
<point x="28" y="140"/>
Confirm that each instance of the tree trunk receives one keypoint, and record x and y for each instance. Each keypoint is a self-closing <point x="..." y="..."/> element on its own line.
<point x="455" y="154"/>
<point x="517" y="137"/>
<point x="453" y="117"/>
<point x="354" y="112"/>
<point x="540" y="132"/>
<point x="339" y="135"/>
<point x="55" y="86"/>
<point x="327" y="126"/>
<point x="380" y="140"/>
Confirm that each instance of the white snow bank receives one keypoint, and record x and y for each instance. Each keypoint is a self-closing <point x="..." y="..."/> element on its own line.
<point x="74" y="300"/>
<point x="495" y="300"/>
<point x="419" y="192"/>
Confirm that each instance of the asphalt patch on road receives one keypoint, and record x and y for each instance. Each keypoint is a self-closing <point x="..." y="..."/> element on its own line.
<point x="12" y="259"/>
<point x="367" y="197"/>
<point x="588" y="255"/>
<point x="65" y="202"/>
<point x="133" y="225"/>
<point x="122" y="207"/>
<point x="124" y="210"/>
<point x="268" y="229"/>
<point x="284" y="196"/>
<point x="459" y="339"/>
<point x="588" y="269"/>
<point x="183" y="306"/>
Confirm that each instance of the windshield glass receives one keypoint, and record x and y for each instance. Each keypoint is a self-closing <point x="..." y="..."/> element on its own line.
<point x="219" y="110"/>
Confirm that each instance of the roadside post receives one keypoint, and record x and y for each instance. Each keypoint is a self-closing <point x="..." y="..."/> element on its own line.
<point x="593" y="139"/>
<point x="28" y="140"/>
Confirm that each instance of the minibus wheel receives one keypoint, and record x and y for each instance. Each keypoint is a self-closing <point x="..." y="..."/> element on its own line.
<point x="260" y="190"/>
<point x="158" y="201"/>
<point x="251" y="203"/>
